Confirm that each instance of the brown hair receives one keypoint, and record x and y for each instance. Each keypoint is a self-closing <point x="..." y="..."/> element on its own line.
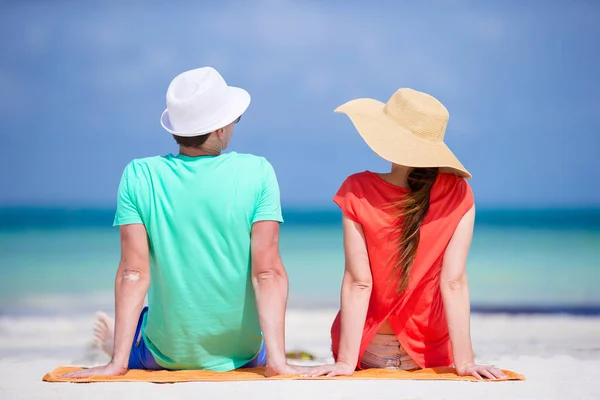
<point x="412" y="210"/>
<point x="193" y="141"/>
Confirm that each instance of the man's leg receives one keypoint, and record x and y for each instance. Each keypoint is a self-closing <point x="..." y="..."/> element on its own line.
<point x="104" y="333"/>
<point x="260" y="360"/>
<point x="139" y="357"/>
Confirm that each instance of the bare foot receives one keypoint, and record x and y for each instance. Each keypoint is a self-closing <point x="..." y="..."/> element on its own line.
<point x="104" y="333"/>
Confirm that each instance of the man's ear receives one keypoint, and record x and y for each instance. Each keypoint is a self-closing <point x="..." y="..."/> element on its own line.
<point x="220" y="133"/>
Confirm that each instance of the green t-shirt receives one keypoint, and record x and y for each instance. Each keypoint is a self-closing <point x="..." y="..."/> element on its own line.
<point x="198" y="212"/>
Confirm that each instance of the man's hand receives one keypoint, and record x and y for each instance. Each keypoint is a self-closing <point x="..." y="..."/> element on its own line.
<point x="105" y="370"/>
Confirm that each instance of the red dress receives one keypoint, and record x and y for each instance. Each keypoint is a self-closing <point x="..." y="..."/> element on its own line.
<point x="417" y="316"/>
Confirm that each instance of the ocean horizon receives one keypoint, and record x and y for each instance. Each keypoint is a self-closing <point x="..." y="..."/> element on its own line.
<point x="57" y="260"/>
<point x="58" y="217"/>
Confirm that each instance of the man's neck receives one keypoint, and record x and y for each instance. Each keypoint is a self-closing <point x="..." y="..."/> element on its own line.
<point x="198" y="152"/>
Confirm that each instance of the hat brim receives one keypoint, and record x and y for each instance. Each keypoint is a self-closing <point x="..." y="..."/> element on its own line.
<point x="395" y="143"/>
<point x="238" y="102"/>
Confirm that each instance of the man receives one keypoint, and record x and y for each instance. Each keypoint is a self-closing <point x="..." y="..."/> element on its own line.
<point x="200" y="231"/>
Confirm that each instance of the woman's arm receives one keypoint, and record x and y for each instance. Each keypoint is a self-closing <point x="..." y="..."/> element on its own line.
<point x="356" y="292"/>
<point x="455" y="293"/>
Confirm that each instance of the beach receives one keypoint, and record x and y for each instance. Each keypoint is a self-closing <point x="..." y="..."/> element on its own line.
<point x="559" y="355"/>
<point x="524" y="273"/>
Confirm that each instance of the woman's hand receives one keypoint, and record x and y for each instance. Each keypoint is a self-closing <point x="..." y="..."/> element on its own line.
<point x="105" y="370"/>
<point x="338" y="369"/>
<point x="480" y="371"/>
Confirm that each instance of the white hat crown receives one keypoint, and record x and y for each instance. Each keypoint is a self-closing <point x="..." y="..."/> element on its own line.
<point x="199" y="102"/>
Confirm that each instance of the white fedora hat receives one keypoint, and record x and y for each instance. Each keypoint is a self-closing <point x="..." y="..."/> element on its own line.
<point x="200" y="102"/>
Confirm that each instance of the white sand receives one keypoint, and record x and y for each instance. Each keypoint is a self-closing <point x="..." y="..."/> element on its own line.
<point x="560" y="356"/>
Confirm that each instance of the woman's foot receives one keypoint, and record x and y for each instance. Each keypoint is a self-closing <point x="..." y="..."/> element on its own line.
<point x="104" y="333"/>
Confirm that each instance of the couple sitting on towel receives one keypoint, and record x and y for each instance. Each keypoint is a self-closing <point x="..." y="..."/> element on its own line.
<point x="200" y="231"/>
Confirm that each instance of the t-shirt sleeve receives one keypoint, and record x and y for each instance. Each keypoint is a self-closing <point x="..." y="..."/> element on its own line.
<point x="268" y="206"/>
<point x="345" y="198"/>
<point x="127" y="210"/>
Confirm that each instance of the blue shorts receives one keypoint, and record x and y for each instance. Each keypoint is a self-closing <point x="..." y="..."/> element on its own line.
<point x="141" y="358"/>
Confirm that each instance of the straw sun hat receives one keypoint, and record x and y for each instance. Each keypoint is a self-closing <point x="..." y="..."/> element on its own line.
<point x="407" y="130"/>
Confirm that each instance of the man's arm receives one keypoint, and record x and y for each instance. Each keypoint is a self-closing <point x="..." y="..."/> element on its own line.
<point x="271" y="287"/>
<point x="131" y="285"/>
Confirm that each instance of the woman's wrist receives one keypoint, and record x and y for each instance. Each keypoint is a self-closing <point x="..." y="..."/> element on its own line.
<point x="346" y="361"/>
<point x="464" y="364"/>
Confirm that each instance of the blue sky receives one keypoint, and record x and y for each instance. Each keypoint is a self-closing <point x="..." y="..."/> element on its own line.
<point x="83" y="86"/>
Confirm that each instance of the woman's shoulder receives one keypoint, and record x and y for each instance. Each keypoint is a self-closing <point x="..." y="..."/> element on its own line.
<point x="357" y="179"/>
<point x="451" y="188"/>
<point x="360" y="183"/>
<point x="450" y="182"/>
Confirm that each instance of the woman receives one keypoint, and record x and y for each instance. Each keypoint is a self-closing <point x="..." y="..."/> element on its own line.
<point x="405" y="300"/>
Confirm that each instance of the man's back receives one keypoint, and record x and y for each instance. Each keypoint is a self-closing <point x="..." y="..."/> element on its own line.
<point x="200" y="236"/>
<point x="198" y="212"/>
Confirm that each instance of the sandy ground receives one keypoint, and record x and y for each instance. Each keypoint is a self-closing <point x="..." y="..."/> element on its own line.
<point x="560" y="355"/>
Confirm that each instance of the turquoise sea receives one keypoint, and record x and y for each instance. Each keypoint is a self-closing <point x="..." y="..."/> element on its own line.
<point x="63" y="260"/>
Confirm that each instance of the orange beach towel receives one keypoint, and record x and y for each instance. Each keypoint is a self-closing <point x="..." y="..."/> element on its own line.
<point x="257" y="374"/>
